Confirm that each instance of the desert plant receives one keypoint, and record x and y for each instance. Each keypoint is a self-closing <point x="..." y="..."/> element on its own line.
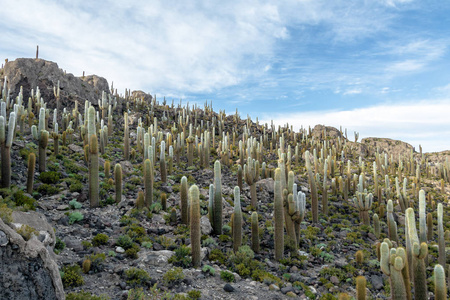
<point x="279" y="216"/>
<point x="148" y="182"/>
<point x="195" y="225"/>
<point x="237" y="220"/>
<point x="31" y="167"/>
<point x="255" y="232"/>
<point x="118" y="182"/>
<point x="6" y="139"/>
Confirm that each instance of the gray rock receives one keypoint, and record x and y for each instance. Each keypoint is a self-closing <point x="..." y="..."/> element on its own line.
<point x="155" y="258"/>
<point x="141" y="95"/>
<point x="266" y="184"/>
<point x="120" y="250"/>
<point x="205" y="225"/>
<point x="27" y="269"/>
<point x="3" y="239"/>
<point x="228" y="288"/>
<point x="287" y="289"/>
<point x="377" y="282"/>
<point x="38" y="222"/>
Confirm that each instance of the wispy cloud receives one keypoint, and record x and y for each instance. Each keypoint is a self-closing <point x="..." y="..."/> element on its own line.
<point x="424" y="123"/>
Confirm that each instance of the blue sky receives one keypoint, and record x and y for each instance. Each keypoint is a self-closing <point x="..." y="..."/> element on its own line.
<point x="377" y="67"/>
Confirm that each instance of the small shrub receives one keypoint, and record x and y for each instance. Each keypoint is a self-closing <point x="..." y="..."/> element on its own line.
<point x="23" y="200"/>
<point x="194" y="294"/>
<point x="125" y="242"/>
<point x="132" y="253"/>
<point x="47" y="189"/>
<point x="155" y="207"/>
<point x="100" y="239"/>
<point x="27" y="232"/>
<point x="71" y="276"/>
<point x="209" y="242"/>
<point x="59" y="245"/>
<point x="75" y="204"/>
<point x="49" y="177"/>
<point x="173" y="276"/>
<point x="147" y="244"/>
<point x="76" y="187"/>
<point x="208" y="270"/>
<point x="97" y="262"/>
<point x="217" y="255"/>
<point x="182" y="257"/>
<point x="82" y="295"/>
<point x="76" y="216"/>
<point x="137" y="277"/>
<point x="227" y="276"/>
<point x="5" y="213"/>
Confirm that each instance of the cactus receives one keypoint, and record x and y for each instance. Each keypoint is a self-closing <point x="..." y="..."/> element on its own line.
<point x="43" y="142"/>
<point x="441" y="241"/>
<point x="376" y="225"/>
<point x="255" y="232"/>
<point x="5" y="144"/>
<point x="31" y="167"/>
<point x="184" y="189"/>
<point x="195" y="225"/>
<point x="126" y="138"/>
<point x="140" y="201"/>
<point x="251" y="175"/>
<point x="418" y="251"/>
<point x="211" y="203"/>
<point x="429" y="227"/>
<point x="312" y="183"/>
<point x="392" y="225"/>
<point x="217" y="204"/>
<point x="237" y="222"/>
<point x="440" y="288"/>
<point x="118" y="182"/>
<point x="360" y="288"/>
<point x="239" y="177"/>
<point x="279" y="216"/>
<point x="162" y="162"/>
<point x="325" y="189"/>
<point x="148" y="183"/>
<point x="359" y="257"/>
<point x="363" y="203"/>
<point x="93" y="171"/>
<point x="107" y="168"/>
<point x="164" y="201"/>
<point x="393" y="263"/>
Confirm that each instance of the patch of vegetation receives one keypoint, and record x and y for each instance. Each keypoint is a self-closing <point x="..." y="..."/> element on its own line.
<point x="49" y="177"/>
<point x="82" y="295"/>
<point x="27" y="232"/>
<point x="71" y="276"/>
<point x="47" y="189"/>
<point x="75" y="204"/>
<point x="227" y="276"/>
<point x="137" y="277"/>
<point x="76" y="216"/>
<point x="100" y="239"/>
<point x="181" y="257"/>
<point x="173" y="276"/>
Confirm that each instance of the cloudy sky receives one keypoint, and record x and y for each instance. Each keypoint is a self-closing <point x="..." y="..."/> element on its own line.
<point x="379" y="67"/>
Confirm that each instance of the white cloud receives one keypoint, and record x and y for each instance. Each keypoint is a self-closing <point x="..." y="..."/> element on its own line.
<point x="426" y="122"/>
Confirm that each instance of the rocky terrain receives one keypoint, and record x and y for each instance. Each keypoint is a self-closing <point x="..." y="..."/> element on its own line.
<point x="129" y="250"/>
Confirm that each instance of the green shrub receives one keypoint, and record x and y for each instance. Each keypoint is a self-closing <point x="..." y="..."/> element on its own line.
<point x="125" y="242"/>
<point x="59" y="245"/>
<point x="27" y="232"/>
<point x="5" y="213"/>
<point x="82" y="295"/>
<point x="76" y="216"/>
<point x="132" y="252"/>
<point x="194" y="294"/>
<point x="173" y="276"/>
<point x="209" y="242"/>
<point x="97" y="262"/>
<point x="75" y="204"/>
<point x="100" y="239"/>
<point x="181" y="257"/>
<point x="71" y="276"/>
<point x="155" y="207"/>
<point x="76" y="187"/>
<point x="47" y="189"/>
<point x="227" y="276"/>
<point x="217" y="255"/>
<point x="21" y="199"/>
<point x="137" y="277"/>
<point x="86" y="244"/>
<point x="208" y="270"/>
<point x="49" y="177"/>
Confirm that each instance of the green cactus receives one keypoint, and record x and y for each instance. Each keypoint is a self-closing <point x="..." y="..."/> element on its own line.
<point x="360" y="288"/>
<point x="126" y="138"/>
<point x="393" y="263"/>
<point x="376" y="225"/>
<point x="237" y="221"/>
<point x="255" y="232"/>
<point x="211" y="203"/>
<point x="43" y="142"/>
<point x="239" y="177"/>
<point x="184" y="189"/>
<point x="118" y="182"/>
<point x="418" y="253"/>
<point x="195" y="225"/>
<point x="107" y="168"/>
<point x="429" y="227"/>
<point x="217" y="204"/>
<point x="440" y="288"/>
<point x="31" y="167"/>
<point x="140" y="201"/>
<point x="251" y="175"/>
<point x="148" y="182"/>
<point x="325" y="189"/>
<point x="279" y="216"/>
<point x="392" y="225"/>
<point x="93" y="171"/>
<point x="363" y="203"/>
<point x="441" y="240"/>
<point x="312" y="183"/>
<point x="162" y="162"/>
<point x="5" y="145"/>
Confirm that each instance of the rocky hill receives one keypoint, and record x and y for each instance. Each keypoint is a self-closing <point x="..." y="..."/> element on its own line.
<point x="146" y="207"/>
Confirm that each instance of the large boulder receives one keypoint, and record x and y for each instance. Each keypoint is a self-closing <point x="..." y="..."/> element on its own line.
<point x="142" y="95"/>
<point x="394" y="147"/>
<point x="30" y="73"/>
<point x="27" y="271"/>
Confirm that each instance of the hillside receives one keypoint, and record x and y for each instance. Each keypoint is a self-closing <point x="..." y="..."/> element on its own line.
<point x="115" y="178"/>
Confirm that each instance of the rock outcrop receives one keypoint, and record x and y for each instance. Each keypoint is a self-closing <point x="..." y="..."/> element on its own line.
<point x="27" y="270"/>
<point x="30" y="73"/>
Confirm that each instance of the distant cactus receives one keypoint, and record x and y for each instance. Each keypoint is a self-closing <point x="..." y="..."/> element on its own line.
<point x="162" y="162"/>
<point x="359" y="257"/>
<point x="140" y="201"/>
<point x="312" y="182"/>
<point x="107" y="168"/>
<point x="43" y="142"/>
<point x="392" y="225"/>
<point x="237" y="222"/>
<point x="164" y="201"/>
<point x="126" y="138"/>
<point x="195" y="225"/>
<point x="363" y="203"/>
<point x="441" y="240"/>
<point x="148" y="182"/>
<point x="31" y="167"/>
<point x="376" y="226"/>
<point x="217" y="204"/>
<point x="184" y="200"/>
<point x="255" y="232"/>
<point x="279" y="216"/>
<point x="118" y="182"/>
<point x="251" y="175"/>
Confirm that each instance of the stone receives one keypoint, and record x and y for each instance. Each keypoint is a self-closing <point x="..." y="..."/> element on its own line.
<point x="287" y="289"/>
<point x="274" y="287"/>
<point x="205" y="225"/>
<point x="3" y="239"/>
<point x="266" y="184"/>
<point x="120" y="250"/>
<point x="334" y="280"/>
<point x="228" y="288"/>
<point x="155" y="258"/>
<point x="39" y="222"/>
<point x="291" y="294"/>
<point x="27" y="270"/>
<point x="376" y="281"/>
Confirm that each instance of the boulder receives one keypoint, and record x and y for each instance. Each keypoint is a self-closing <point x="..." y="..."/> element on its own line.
<point x="26" y="268"/>
<point x="37" y="221"/>
<point x="142" y="95"/>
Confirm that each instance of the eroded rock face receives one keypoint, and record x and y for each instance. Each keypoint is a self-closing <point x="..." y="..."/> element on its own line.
<point x="26" y="268"/>
<point x="30" y="73"/>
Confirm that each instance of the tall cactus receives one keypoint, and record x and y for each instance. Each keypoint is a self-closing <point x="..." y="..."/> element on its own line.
<point x="251" y="175"/>
<point x="126" y="137"/>
<point x="363" y="203"/>
<point x="440" y="288"/>
<point x="148" y="182"/>
<point x="184" y="189"/>
<point x="325" y="189"/>
<point x="31" y="167"/>
<point x="118" y="182"/>
<point x="217" y="209"/>
<point x="312" y="182"/>
<point x="441" y="240"/>
<point x="93" y="171"/>
<point x="255" y="232"/>
<point x="360" y="288"/>
<point x="237" y="222"/>
<point x="5" y="144"/>
<point x="279" y="216"/>
<point x="195" y="225"/>
<point x="162" y="162"/>
<point x="418" y="251"/>
<point x="392" y="225"/>
<point x="393" y="263"/>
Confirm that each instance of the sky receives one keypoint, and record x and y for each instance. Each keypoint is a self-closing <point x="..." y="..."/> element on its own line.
<point x="377" y="67"/>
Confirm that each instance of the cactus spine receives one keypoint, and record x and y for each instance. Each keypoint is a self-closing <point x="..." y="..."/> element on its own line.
<point x="148" y="182"/>
<point x="312" y="182"/>
<point x="237" y="222"/>
<point x="31" y="167"/>
<point x="184" y="200"/>
<point x="255" y="232"/>
<point x="279" y="216"/>
<point x="217" y="204"/>
<point x="118" y="182"/>
<point x="195" y="225"/>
